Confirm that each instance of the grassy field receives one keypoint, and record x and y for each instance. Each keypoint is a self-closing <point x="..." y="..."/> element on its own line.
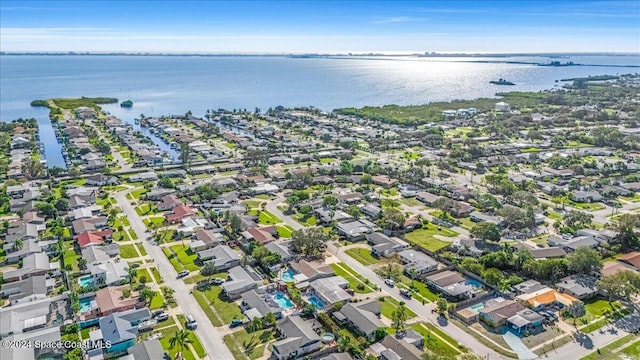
<point x="185" y="256"/>
<point x="433" y="340"/>
<point x="253" y="344"/>
<point x="363" y="256"/>
<point x="410" y="201"/>
<point x="284" y="231"/>
<point x="589" y="206"/>
<point x="213" y="298"/>
<point x="128" y="251"/>
<point x="426" y="239"/>
<point x="354" y="279"/>
<point x="267" y="218"/>
<point x="388" y="305"/>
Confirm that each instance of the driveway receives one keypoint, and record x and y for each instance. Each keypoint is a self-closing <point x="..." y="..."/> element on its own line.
<point x="210" y="337"/>
<point x="516" y="344"/>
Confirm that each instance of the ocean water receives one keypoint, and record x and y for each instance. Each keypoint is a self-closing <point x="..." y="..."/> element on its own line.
<point x="165" y="85"/>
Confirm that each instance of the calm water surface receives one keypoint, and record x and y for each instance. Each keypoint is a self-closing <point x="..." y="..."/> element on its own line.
<point x="165" y="85"/>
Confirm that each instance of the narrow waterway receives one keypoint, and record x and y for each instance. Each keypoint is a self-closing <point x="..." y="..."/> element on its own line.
<point x="52" y="148"/>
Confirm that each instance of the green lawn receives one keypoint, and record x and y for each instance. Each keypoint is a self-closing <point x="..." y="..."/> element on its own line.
<point x="173" y="259"/>
<point x="632" y="350"/>
<point x="425" y="238"/>
<point x="354" y="279"/>
<point x="434" y="343"/>
<point x="263" y="196"/>
<point x="553" y="215"/>
<point x="213" y="297"/>
<point x="137" y="193"/>
<point x="156" y="275"/>
<point x="388" y="305"/>
<point x="326" y="160"/>
<point x="146" y="209"/>
<point x="140" y="273"/>
<point x="410" y="201"/>
<point x="154" y="220"/>
<point x="589" y="206"/>
<point x="253" y="204"/>
<point x="133" y="235"/>
<point x="267" y="218"/>
<point x="418" y="287"/>
<point x="128" y="251"/>
<point x="187" y="355"/>
<point x="186" y="257"/>
<point x="605" y="352"/>
<point x="285" y="231"/>
<point x="467" y="223"/>
<point x="363" y="256"/>
<point x="121" y="236"/>
<point x="157" y="301"/>
<point x="253" y="344"/>
<point x="141" y="249"/>
<point x="310" y="221"/>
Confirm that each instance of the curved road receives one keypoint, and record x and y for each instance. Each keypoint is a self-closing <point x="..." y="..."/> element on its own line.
<point x="210" y="337"/>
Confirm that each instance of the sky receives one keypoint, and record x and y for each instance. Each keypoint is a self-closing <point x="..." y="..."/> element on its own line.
<point x="275" y="27"/>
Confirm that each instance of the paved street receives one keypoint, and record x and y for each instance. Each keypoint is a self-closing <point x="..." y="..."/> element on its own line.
<point x="210" y="337"/>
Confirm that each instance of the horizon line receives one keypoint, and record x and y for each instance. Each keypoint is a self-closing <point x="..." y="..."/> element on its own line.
<point x="349" y="53"/>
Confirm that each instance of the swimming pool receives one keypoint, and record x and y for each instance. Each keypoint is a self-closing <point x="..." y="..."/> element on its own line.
<point x="474" y="283"/>
<point x="86" y="305"/>
<point x="85" y="282"/>
<point x="287" y="276"/>
<point x="315" y="301"/>
<point x="283" y="301"/>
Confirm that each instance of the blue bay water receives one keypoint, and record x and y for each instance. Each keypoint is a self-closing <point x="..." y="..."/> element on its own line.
<point x="165" y="85"/>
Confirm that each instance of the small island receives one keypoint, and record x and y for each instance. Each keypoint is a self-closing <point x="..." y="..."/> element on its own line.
<point x="126" y="104"/>
<point x="501" y="82"/>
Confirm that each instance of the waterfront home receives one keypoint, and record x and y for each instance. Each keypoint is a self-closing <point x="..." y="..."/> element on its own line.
<point x="120" y="329"/>
<point x="417" y="262"/>
<point x="222" y="256"/>
<point x="383" y="245"/>
<point x="297" y="338"/>
<point x="111" y="300"/>
<point x="241" y="279"/>
<point x="364" y="317"/>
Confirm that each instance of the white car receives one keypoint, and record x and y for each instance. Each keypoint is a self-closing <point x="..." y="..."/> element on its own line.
<point x="191" y="323"/>
<point x="390" y="282"/>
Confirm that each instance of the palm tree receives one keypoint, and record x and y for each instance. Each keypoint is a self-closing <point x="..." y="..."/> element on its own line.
<point x="412" y="273"/>
<point x="180" y="339"/>
<point x="270" y="319"/>
<point x="19" y="244"/>
<point x="147" y="294"/>
<point x="132" y="272"/>
<point x="256" y="324"/>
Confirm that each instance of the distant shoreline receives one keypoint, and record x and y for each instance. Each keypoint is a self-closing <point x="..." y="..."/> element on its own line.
<point x="313" y="55"/>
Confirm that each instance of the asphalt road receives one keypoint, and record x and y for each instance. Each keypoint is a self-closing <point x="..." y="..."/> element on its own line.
<point x="210" y="337"/>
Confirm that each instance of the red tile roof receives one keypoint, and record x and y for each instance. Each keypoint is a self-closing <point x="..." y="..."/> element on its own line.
<point x="92" y="237"/>
<point x="180" y="212"/>
<point x="632" y="258"/>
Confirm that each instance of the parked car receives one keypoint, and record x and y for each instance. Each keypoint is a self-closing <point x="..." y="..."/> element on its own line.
<point x="183" y="273"/>
<point x="161" y="317"/>
<point x="217" y="281"/>
<point x="390" y="282"/>
<point x="406" y="293"/>
<point x="236" y="322"/>
<point x="191" y="323"/>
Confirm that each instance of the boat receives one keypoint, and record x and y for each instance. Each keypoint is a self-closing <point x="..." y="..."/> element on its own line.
<point x="501" y="82"/>
<point x="126" y="103"/>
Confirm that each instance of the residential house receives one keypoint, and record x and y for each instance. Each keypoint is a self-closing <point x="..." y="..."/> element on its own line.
<point x="206" y="239"/>
<point x="355" y="230"/>
<point x="496" y="311"/>
<point x="326" y="216"/>
<point x="241" y="279"/>
<point x="311" y="270"/>
<point x="281" y="248"/>
<point x="144" y="176"/>
<point x="477" y="216"/>
<point x="257" y="304"/>
<point x="84" y="225"/>
<point x="383" y="245"/>
<point x="92" y="238"/>
<point x="29" y="289"/>
<point x="178" y="213"/>
<point x="222" y="256"/>
<point x="24" y="317"/>
<point x="298" y="338"/>
<point x="586" y="196"/>
<point x="461" y="209"/>
<point x="261" y="235"/>
<point x="451" y="284"/>
<point x="545" y="297"/>
<point x="384" y="181"/>
<point x="331" y="290"/>
<point x="372" y="210"/>
<point x="632" y="258"/>
<point x="32" y="265"/>
<point x="393" y="348"/>
<point x="525" y="321"/>
<point x="14" y="253"/>
<point x="363" y="317"/>
<point x="108" y="274"/>
<point x="120" y="329"/>
<point x="111" y="300"/>
<point x="47" y="335"/>
<point x="101" y="180"/>
<point x="150" y="349"/>
<point x="158" y="193"/>
<point x="168" y="202"/>
<point x="100" y="254"/>
<point x="579" y="286"/>
<point x="528" y="287"/>
<point x="417" y="263"/>
<point x="602" y="236"/>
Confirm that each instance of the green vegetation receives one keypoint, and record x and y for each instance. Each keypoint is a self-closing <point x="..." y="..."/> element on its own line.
<point x="363" y="256"/>
<point x="388" y="305"/>
<point x="435" y="342"/>
<point x="184" y="255"/>
<point x="425" y="237"/>
<point x="605" y="352"/>
<point x="356" y="281"/>
<point x="267" y="218"/>
<point x="128" y="251"/>
<point x="253" y="344"/>
<point x="284" y="231"/>
<point x="214" y="301"/>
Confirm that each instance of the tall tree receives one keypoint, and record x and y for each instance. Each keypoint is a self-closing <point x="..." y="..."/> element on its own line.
<point x="486" y="231"/>
<point x="399" y="318"/>
<point x="576" y="310"/>
<point x="180" y="339"/>
<point x="309" y="241"/>
<point x="584" y="260"/>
